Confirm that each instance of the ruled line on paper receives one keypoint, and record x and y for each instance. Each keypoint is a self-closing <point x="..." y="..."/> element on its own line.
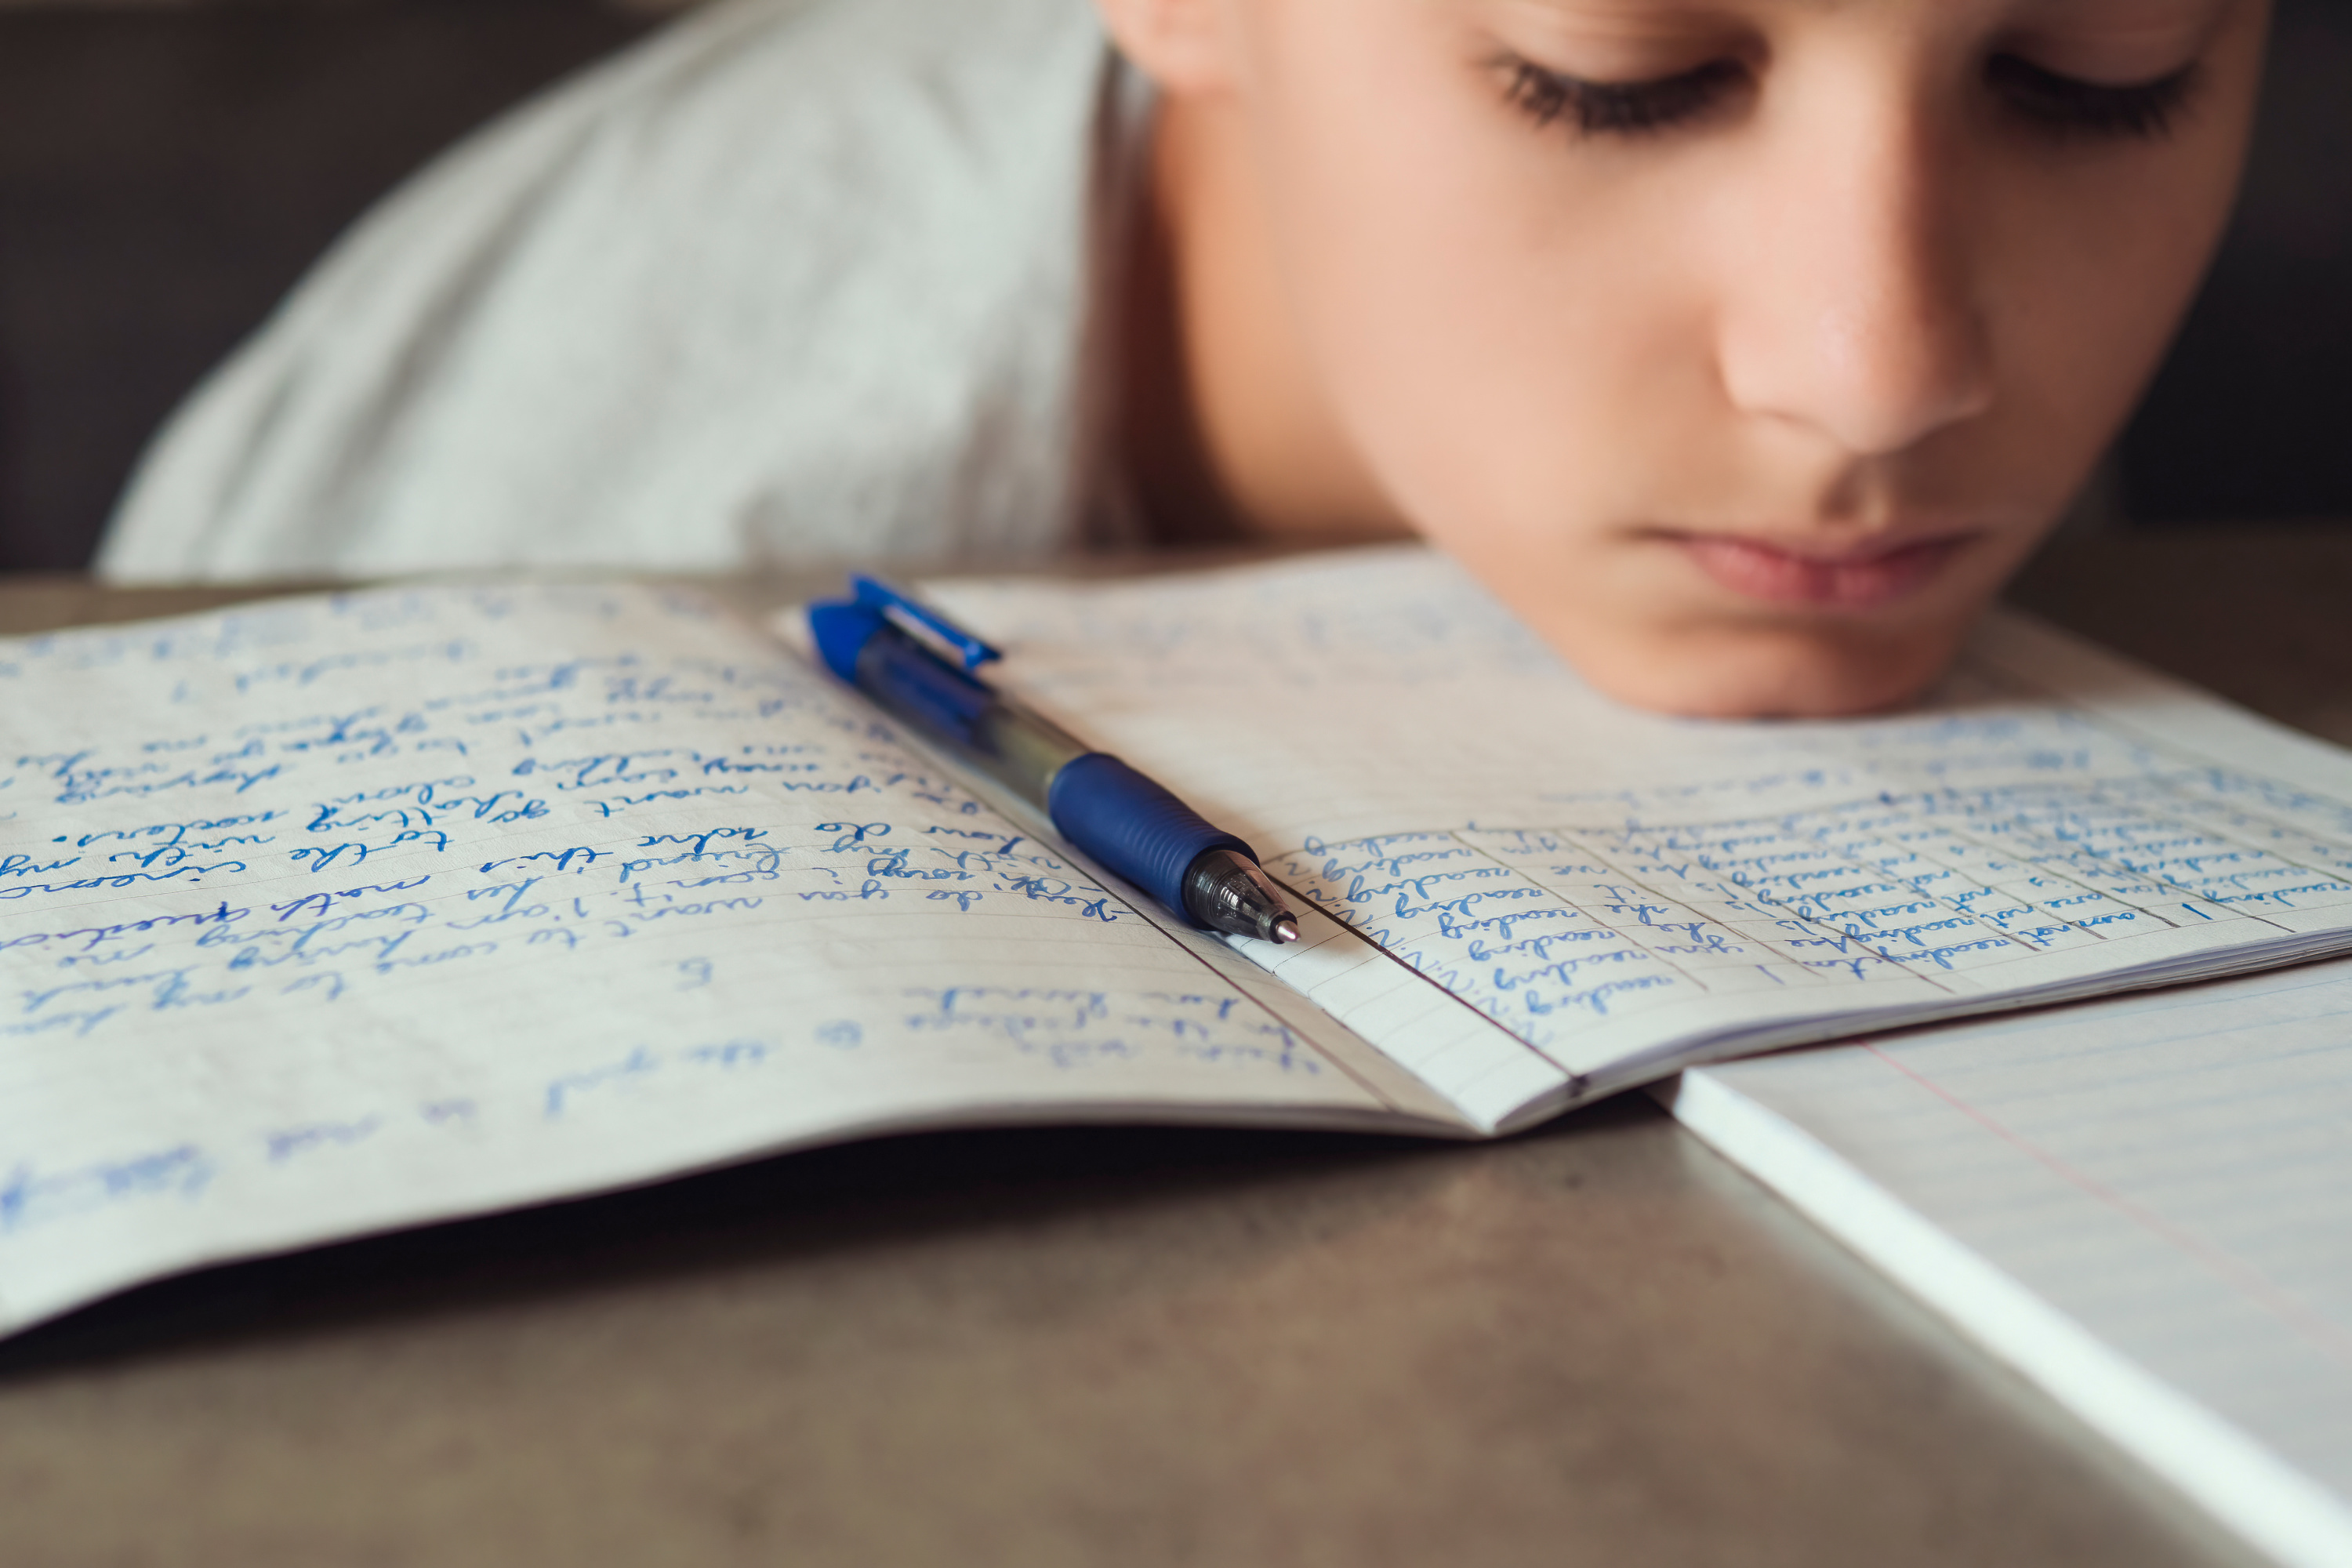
<point x="2241" y="1276"/>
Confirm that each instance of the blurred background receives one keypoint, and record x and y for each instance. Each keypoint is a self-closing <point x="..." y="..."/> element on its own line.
<point x="167" y="169"/>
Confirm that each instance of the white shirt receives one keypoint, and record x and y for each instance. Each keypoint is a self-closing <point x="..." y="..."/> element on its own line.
<point x="792" y="280"/>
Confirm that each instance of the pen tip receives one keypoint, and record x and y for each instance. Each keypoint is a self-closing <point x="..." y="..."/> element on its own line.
<point x="1225" y="890"/>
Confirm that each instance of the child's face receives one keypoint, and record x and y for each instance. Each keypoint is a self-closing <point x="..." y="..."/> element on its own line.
<point x="1744" y="347"/>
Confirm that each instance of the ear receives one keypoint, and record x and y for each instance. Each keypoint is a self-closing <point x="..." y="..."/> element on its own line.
<point x="1181" y="45"/>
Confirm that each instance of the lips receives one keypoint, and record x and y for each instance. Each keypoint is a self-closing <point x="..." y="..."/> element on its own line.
<point x="1851" y="580"/>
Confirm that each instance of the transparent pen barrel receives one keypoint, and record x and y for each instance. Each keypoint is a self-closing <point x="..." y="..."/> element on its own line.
<point x="1019" y="748"/>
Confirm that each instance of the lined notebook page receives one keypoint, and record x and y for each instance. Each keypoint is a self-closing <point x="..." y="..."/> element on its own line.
<point x="1553" y="896"/>
<point x="2145" y="1203"/>
<point x="336" y="914"/>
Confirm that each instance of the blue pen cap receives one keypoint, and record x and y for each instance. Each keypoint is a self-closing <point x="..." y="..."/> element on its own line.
<point x="841" y="632"/>
<point x="843" y="627"/>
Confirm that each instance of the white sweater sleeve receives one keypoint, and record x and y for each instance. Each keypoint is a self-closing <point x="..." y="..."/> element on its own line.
<point x="793" y="278"/>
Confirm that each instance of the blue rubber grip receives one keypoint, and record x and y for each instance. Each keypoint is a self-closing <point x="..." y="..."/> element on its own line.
<point x="1133" y="827"/>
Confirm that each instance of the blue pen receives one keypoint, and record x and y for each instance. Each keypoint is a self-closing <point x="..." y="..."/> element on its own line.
<point x="918" y="665"/>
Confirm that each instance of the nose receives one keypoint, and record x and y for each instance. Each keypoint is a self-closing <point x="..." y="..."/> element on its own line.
<point x="1850" y="305"/>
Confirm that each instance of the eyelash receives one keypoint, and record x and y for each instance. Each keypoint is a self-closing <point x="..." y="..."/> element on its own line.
<point x="2061" y="107"/>
<point x="1619" y="108"/>
<point x="2068" y="108"/>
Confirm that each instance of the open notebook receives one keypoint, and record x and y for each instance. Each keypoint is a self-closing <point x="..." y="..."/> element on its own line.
<point x="338" y="914"/>
<point x="2144" y="1203"/>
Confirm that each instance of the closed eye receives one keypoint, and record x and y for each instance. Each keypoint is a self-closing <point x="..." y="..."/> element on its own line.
<point x="2068" y="108"/>
<point x="1620" y="107"/>
<point x="2060" y="106"/>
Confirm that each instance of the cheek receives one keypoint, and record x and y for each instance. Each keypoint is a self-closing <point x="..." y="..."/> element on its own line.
<point x="2099" y="258"/>
<point x="2089" y="280"/>
<point x="1502" y="338"/>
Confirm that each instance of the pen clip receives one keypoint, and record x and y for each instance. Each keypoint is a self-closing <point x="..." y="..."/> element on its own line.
<point x="920" y="621"/>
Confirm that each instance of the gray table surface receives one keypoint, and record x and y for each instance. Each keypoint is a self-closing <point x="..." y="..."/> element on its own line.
<point x="1594" y="1343"/>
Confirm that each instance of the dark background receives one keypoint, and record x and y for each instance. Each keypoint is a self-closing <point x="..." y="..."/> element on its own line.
<point x="167" y="174"/>
<point x="2253" y="416"/>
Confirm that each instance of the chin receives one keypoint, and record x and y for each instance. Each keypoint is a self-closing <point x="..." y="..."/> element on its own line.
<point x="1837" y="672"/>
